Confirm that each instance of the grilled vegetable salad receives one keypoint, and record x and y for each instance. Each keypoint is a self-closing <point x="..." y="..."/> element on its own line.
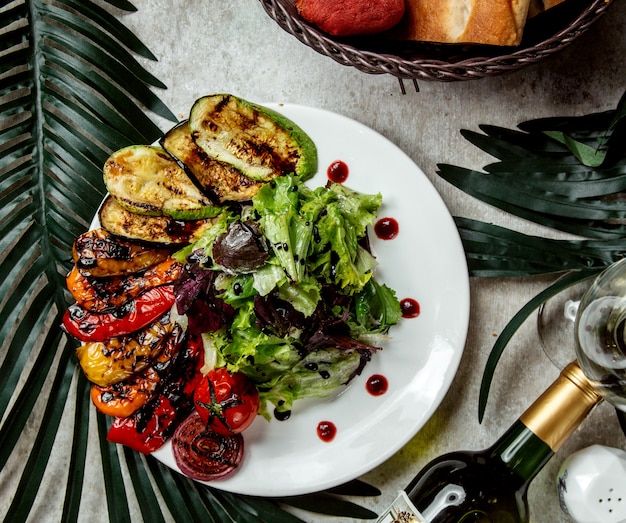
<point x="249" y="272"/>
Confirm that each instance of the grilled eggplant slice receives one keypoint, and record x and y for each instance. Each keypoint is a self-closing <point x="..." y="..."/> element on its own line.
<point x="98" y="253"/>
<point x="120" y="221"/>
<point x="147" y="180"/>
<point x="258" y="141"/>
<point x="220" y="181"/>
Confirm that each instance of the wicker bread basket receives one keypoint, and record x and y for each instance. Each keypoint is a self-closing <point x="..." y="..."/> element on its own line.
<point x="544" y="35"/>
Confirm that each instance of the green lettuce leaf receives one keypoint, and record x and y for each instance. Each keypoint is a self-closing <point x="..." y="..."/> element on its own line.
<point x="317" y="375"/>
<point x="318" y="231"/>
<point x="377" y="309"/>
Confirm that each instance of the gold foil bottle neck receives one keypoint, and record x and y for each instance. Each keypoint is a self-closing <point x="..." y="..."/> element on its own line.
<point x="575" y="374"/>
<point x="561" y="408"/>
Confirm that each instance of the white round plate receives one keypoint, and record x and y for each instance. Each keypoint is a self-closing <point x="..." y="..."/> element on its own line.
<point x="425" y="262"/>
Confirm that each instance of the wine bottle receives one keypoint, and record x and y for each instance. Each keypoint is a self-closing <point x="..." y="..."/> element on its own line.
<point x="490" y="486"/>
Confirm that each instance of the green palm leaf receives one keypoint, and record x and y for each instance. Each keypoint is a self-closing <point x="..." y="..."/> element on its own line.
<point x="566" y="173"/>
<point x="61" y="118"/>
<point x="71" y="92"/>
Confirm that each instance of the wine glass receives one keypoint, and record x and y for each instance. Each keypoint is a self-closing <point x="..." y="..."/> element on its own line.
<point x="555" y="322"/>
<point x="600" y="334"/>
<point x="595" y="313"/>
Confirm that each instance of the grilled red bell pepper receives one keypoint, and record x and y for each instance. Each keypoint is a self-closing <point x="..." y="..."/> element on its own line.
<point x="145" y="434"/>
<point x="153" y="424"/>
<point x="138" y="313"/>
<point x="107" y="294"/>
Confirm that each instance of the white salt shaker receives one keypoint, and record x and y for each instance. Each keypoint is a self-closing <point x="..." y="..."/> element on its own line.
<point x="592" y="485"/>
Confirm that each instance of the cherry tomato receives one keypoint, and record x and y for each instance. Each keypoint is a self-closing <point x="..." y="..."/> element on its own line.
<point x="139" y="312"/>
<point x="227" y="403"/>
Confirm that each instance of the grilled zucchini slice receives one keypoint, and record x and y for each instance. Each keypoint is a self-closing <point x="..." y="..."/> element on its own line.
<point x="153" y="229"/>
<point x="145" y="179"/>
<point x="258" y="141"/>
<point x="219" y="181"/>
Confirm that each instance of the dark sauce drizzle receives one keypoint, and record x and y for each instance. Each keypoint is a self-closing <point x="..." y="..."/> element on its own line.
<point x="410" y="308"/>
<point x="386" y="228"/>
<point x="338" y="171"/>
<point x="326" y="431"/>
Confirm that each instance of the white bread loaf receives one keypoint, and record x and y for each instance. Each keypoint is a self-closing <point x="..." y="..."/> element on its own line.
<point x="493" y="22"/>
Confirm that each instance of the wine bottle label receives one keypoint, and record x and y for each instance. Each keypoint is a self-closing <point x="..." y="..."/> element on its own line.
<point x="401" y="511"/>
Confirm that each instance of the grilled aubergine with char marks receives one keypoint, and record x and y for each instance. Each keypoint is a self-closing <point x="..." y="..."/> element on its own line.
<point x="147" y="180"/>
<point x="98" y="253"/>
<point x="220" y="181"/>
<point x="155" y="229"/>
<point x="258" y="141"/>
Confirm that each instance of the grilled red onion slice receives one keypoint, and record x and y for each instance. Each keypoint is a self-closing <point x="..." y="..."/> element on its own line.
<point x="204" y="455"/>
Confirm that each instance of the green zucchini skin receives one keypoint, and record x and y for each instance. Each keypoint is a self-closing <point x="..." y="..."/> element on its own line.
<point x="119" y="221"/>
<point x="219" y="181"/>
<point x="146" y="180"/>
<point x="258" y="141"/>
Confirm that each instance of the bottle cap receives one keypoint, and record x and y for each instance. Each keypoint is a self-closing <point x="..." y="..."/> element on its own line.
<point x="561" y="408"/>
<point x="575" y="374"/>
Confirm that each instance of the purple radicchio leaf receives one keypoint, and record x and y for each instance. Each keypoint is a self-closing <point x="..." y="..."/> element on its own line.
<point x="196" y="296"/>
<point x="240" y="249"/>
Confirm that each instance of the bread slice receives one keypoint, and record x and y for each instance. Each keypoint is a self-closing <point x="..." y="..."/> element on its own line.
<point x="492" y="22"/>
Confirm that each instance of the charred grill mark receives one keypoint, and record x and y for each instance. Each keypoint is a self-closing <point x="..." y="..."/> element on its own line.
<point x="210" y="124"/>
<point x="139" y="205"/>
<point x="223" y="103"/>
<point x="247" y="122"/>
<point x="263" y="153"/>
<point x="163" y="155"/>
<point x="174" y="188"/>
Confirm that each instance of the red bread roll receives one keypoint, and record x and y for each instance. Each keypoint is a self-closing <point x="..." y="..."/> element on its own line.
<point x="357" y="17"/>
